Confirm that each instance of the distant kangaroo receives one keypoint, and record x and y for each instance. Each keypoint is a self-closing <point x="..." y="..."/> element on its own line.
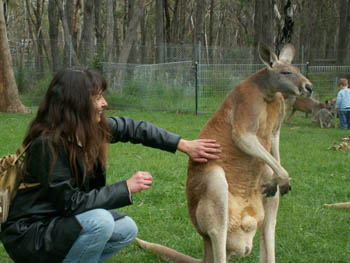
<point x="230" y="198"/>
<point x="307" y="105"/>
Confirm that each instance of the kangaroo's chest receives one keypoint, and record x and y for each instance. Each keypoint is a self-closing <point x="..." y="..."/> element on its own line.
<point x="269" y="120"/>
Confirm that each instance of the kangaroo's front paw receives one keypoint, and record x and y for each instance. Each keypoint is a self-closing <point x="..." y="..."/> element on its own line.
<point x="284" y="182"/>
<point x="285" y="188"/>
<point x="270" y="189"/>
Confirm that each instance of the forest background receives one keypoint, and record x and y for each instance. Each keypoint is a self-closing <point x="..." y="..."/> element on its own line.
<point x="161" y="54"/>
<point x="186" y="52"/>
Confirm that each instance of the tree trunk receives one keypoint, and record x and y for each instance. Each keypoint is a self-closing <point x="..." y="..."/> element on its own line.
<point x="160" y="51"/>
<point x="131" y="35"/>
<point x="129" y="40"/>
<point x="37" y="36"/>
<point x="53" y="33"/>
<point x="133" y="52"/>
<point x="116" y="34"/>
<point x="67" y="36"/>
<point x="143" y="29"/>
<point x="343" y="32"/>
<point x="98" y="29"/>
<point x="311" y="37"/>
<point x="109" y="30"/>
<point x="266" y="27"/>
<point x="285" y="26"/>
<point x="9" y="99"/>
<point x="257" y="30"/>
<point x="86" y="47"/>
<point x="211" y="31"/>
<point x="167" y="33"/>
<point x="182" y="19"/>
<point x="69" y="16"/>
<point x="198" y="37"/>
<point x="175" y="25"/>
<point x="348" y="27"/>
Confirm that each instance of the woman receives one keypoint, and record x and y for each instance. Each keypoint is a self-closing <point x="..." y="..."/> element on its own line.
<point x="67" y="218"/>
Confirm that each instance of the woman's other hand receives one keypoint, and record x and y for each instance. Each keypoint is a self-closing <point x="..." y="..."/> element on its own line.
<point x="139" y="181"/>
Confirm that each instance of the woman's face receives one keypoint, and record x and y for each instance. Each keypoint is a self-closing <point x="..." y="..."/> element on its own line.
<point x="100" y="105"/>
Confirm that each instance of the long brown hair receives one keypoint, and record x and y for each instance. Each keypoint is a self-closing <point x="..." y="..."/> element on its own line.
<point x="67" y="115"/>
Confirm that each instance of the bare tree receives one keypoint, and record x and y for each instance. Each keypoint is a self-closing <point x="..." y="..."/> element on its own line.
<point x="285" y="24"/>
<point x="343" y="31"/>
<point x="116" y="32"/>
<point x="131" y="35"/>
<point x="37" y="8"/>
<point x="98" y="27"/>
<point x="53" y="33"/>
<point x="267" y="25"/>
<point x="67" y="35"/>
<point x="198" y="33"/>
<point x="129" y="40"/>
<point x="160" y="31"/>
<point x="86" y="47"/>
<point x="9" y="99"/>
<point x="165" y="23"/>
<point x="211" y="30"/>
<point x="109" y="29"/>
<point x="258" y="21"/>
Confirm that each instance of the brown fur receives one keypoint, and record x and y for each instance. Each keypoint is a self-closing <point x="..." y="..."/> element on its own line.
<point x="330" y="106"/>
<point x="224" y="196"/>
<point x="307" y="105"/>
<point x="345" y="205"/>
<point x="324" y="118"/>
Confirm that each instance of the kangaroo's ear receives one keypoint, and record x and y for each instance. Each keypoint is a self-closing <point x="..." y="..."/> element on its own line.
<point x="287" y="53"/>
<point x="268" y="57"/>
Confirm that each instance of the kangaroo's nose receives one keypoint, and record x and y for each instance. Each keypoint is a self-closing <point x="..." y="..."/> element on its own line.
<point x="308" y="87"/>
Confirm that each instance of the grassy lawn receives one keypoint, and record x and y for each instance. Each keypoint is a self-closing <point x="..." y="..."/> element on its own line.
<point x="306" y="231"/>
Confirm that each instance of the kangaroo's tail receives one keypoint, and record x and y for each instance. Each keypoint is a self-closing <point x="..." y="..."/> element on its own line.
<point x="166" y="253"/>
<point x="345" y="205"/>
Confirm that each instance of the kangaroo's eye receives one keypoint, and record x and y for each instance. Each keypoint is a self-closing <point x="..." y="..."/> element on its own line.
<point x="286" y="72"/>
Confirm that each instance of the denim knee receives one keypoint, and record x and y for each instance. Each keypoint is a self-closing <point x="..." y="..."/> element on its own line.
<point x="99" y="221"/>
<point x="129" y="226"/>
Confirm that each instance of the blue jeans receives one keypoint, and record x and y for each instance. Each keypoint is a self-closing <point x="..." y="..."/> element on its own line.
<point x="344" y="119"/>
<point x="101" y="237"/>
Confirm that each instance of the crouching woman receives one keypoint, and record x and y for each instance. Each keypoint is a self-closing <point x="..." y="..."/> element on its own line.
<point x="68" y="217"/>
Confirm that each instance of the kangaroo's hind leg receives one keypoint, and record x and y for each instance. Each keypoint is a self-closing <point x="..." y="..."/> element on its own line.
<point x="212" y="214"/>
<point x="267" y="237"/>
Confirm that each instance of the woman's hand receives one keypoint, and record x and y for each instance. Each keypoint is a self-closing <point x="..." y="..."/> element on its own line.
<point x="200" y="150"/>
<point x="139" y="181"/>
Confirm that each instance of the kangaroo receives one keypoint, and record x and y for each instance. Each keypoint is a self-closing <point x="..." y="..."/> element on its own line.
<point x="324" y="118"/>
<point x="307" y="105"/>
<point x="330" y="105"/>
<point x="229" y="199"/>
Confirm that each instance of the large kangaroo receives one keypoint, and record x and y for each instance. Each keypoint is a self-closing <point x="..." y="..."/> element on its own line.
<point x="230" y="198"/>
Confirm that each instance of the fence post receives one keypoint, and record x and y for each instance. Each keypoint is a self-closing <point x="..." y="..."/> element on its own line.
<point x="335" y="85"/>
<point x="196" y="85"/>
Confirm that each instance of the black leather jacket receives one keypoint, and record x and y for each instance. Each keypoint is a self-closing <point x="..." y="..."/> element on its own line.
<point x="41" y="226"/>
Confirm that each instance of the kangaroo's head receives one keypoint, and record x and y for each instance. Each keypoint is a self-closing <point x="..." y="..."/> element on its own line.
<point x="281" y="75"/>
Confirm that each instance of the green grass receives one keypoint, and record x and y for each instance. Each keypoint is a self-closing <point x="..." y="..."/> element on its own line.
<point x="306" y="232"/>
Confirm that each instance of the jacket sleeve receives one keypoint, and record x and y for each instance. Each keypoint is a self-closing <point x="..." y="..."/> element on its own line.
<point x="124" y="129"/>
<point x="59" y="189"/>
<point x="339" y="100"/>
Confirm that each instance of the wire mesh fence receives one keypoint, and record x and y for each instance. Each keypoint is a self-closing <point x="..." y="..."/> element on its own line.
<point x="199" y="88"/>
<point x="186" y="82"/>
<point x="179" y="86"/>
<point x="167" y="86"/>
